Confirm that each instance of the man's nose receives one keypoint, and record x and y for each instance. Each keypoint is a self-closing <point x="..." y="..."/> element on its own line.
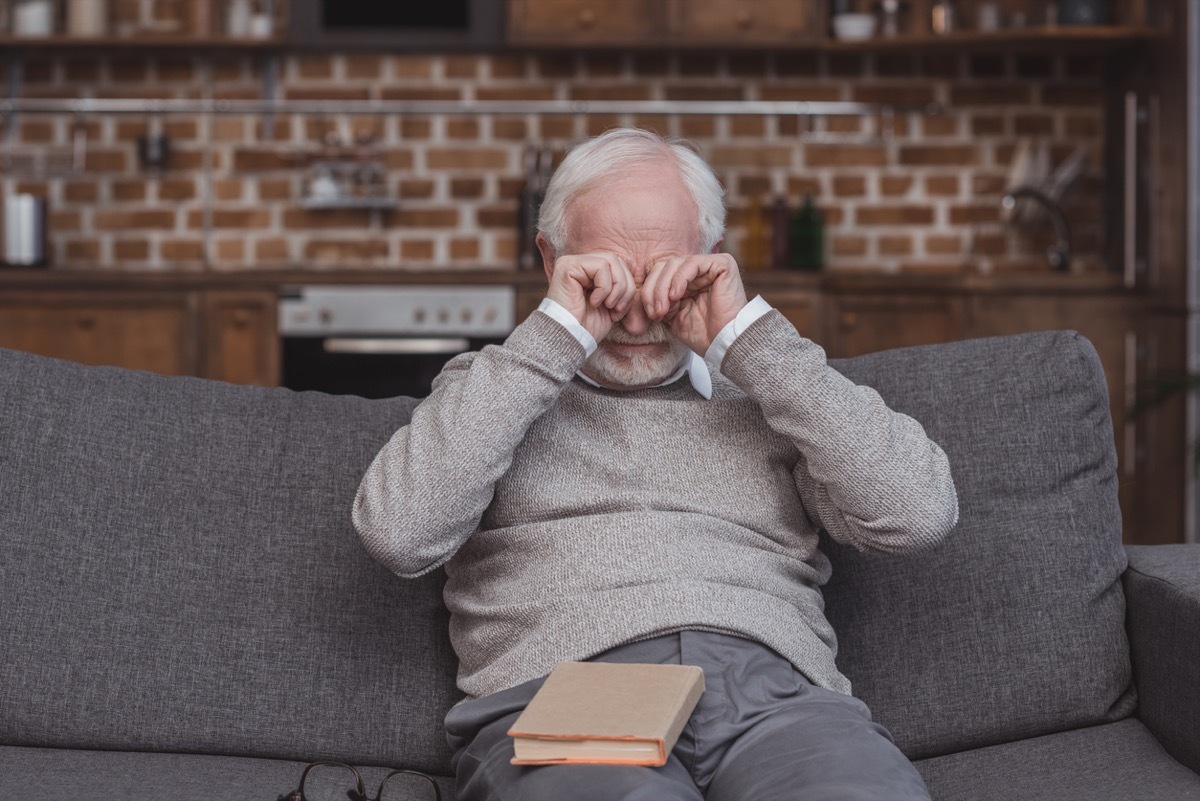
<point x="635" y="320"/>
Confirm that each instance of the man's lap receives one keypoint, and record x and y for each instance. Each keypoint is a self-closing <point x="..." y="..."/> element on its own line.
<point x="761" y="730"/>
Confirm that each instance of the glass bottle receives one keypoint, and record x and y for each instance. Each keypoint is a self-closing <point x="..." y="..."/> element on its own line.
<point x="942" y="19"/>
<point x="806" y="237"/>
<point x="754" y="256"/>
<point x="779" y="233"/>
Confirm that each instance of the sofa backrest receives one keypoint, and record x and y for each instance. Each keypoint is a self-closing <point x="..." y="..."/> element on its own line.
<point x="179" y="572"/>
<point x="1014" y="627"/>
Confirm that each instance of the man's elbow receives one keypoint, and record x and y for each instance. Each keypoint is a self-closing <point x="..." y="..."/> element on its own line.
<point x="933" y="527"/>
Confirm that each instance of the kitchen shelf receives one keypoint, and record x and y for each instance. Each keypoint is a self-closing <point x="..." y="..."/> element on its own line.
<point x="1100" y="37"/>
<point x="1091" y="38"/>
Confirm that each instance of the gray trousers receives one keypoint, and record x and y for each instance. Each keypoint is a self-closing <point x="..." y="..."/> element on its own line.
<point x="761" y="731"/>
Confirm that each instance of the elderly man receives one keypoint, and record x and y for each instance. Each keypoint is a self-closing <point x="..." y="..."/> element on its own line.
<point x="598" y="490"/>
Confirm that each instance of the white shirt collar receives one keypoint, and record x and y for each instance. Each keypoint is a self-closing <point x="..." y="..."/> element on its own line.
<point x="695" y="367"/>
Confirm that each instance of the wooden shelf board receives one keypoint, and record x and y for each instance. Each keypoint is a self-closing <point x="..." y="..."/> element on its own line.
<point x="1089" y="36"/>
<point x="1082" y="36"/>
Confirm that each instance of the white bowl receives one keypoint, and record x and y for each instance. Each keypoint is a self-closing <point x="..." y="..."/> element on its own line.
<point x="851" y="27"/>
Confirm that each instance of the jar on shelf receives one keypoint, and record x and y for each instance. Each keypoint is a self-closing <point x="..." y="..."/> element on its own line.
<point x="87" y="18"/>
<point x="33" y="18"/>
<point x="239" y="16"/>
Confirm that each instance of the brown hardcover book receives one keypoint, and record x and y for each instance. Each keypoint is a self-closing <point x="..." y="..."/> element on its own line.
<point x="607" y="713"/>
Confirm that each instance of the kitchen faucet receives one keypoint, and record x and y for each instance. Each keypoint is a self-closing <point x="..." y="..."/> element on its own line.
<point x="1059" y="256"/>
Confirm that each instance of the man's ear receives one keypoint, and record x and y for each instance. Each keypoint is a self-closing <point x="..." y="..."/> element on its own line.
<point x="717" y="247"/>
<point x="548" y="255"/>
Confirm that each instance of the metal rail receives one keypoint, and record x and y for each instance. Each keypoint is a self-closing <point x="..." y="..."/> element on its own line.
<point x="757" y="108"/>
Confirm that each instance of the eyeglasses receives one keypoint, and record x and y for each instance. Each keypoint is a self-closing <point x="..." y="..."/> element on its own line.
<point x="333" y="781"/>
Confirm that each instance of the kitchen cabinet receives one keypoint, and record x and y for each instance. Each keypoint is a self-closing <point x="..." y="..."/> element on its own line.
<point x="803" y="308"/>
<point x="240" y="343"/>
<point x="864" y="323"/>
<point x="585" y="22"/>
<point x="743" y="22"/>
<point x="223" y="335"/>
<point x="141" y="331"/>
<point x="633" y="23"/>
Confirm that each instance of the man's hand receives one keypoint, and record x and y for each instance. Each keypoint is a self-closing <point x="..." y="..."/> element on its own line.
<point x="597" y="288"/>
<point x="696" y="296"/>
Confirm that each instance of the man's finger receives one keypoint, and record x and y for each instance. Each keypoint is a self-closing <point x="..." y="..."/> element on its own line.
<point x="601" y="278"/>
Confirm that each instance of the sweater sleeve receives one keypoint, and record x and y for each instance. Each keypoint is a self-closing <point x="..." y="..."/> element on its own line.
<point x="424" y="494"/>
<point x="868" y="475"/>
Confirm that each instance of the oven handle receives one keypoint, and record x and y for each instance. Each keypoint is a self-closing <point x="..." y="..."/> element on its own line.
<point x="397" y="345"/>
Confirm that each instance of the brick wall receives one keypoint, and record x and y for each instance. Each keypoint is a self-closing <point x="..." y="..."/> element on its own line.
<point x="910" y="193"/>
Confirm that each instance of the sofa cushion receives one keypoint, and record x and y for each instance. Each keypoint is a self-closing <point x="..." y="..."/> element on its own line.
<point x="1014" y="627"/>
<point x="180" y="573"/>
<point x="64" y="774"/>
<point x="1113" y="762"/>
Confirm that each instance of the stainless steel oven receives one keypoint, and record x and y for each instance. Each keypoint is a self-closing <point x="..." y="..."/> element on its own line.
<point x="384" y="341"/>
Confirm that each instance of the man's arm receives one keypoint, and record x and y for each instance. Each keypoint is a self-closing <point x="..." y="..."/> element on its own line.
<point x="869" y="475"/>
<point x="428" y="487"/>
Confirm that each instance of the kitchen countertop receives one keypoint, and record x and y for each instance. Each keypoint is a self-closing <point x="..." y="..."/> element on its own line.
<point x="844" y="281"/>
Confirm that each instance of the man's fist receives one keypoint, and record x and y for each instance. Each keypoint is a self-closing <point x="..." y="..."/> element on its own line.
<point x="597" y="288"/>
<point x="696" y="296"/>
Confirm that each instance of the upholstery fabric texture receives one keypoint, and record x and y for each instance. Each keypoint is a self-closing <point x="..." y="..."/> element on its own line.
<point x="1112" y="762"/>
<point x="1163" y="587"/>
<point x="1014" y="626"/>
<point x="180" y="574"/>
<point x="56" y="774"/>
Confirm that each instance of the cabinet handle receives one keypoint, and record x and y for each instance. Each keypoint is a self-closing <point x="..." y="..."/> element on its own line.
<point x="587" y="18"/>
<point x="86" y="322"/>
<point x="849" y="320"/>
<point x="1129" y="430"/>
<point x="1131" y="194"/>
<point x="241" y="319"/>
<point x="744" y="19"/>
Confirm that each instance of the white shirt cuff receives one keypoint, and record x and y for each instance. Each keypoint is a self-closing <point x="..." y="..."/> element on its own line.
<point x="556" y="312"/>
<point x="733" y="329"/>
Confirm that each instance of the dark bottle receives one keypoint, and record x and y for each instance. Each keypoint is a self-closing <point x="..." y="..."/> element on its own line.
<point x="806" y="237"/>
<point x="779" y="233"/>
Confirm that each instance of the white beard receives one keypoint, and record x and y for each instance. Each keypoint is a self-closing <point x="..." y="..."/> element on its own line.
<point x="617" y="369"/>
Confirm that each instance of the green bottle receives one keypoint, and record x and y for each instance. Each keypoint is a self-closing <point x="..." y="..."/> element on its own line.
<point x="806" y="237"/>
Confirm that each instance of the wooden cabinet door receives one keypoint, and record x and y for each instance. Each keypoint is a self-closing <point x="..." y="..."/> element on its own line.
<point x="140" y="331"/>
<point x="803" y="310"/>
<point x="585" y="22"/>
<point x="743" y="22"/>
<point x="241" y="338"/>
<point x="859" y="324"/>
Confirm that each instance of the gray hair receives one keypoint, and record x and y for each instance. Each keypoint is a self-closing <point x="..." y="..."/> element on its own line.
<point x="617" y="151"/>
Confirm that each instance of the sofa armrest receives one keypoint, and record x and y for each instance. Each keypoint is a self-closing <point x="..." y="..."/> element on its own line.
<point x="1162" y="590"/>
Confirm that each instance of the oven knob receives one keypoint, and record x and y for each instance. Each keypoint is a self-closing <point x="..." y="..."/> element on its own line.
<point x="325" y="316"/>
<point x="418" y="316"/>
<point x="443" y="316"/>
<point x="465" y="316"/>
<point x="489" y="315"/>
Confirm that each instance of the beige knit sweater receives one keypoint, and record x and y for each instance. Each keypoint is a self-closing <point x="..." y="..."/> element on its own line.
<point x="571" y="519"/>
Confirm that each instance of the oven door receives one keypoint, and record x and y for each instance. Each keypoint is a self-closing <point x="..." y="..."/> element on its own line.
<point x="371" y="367"/>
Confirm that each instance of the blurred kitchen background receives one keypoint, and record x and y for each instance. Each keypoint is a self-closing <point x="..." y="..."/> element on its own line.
<point x="337" y="194"/>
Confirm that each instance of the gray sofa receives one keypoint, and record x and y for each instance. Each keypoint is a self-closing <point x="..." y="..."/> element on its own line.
<point x="188" y="613"/>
